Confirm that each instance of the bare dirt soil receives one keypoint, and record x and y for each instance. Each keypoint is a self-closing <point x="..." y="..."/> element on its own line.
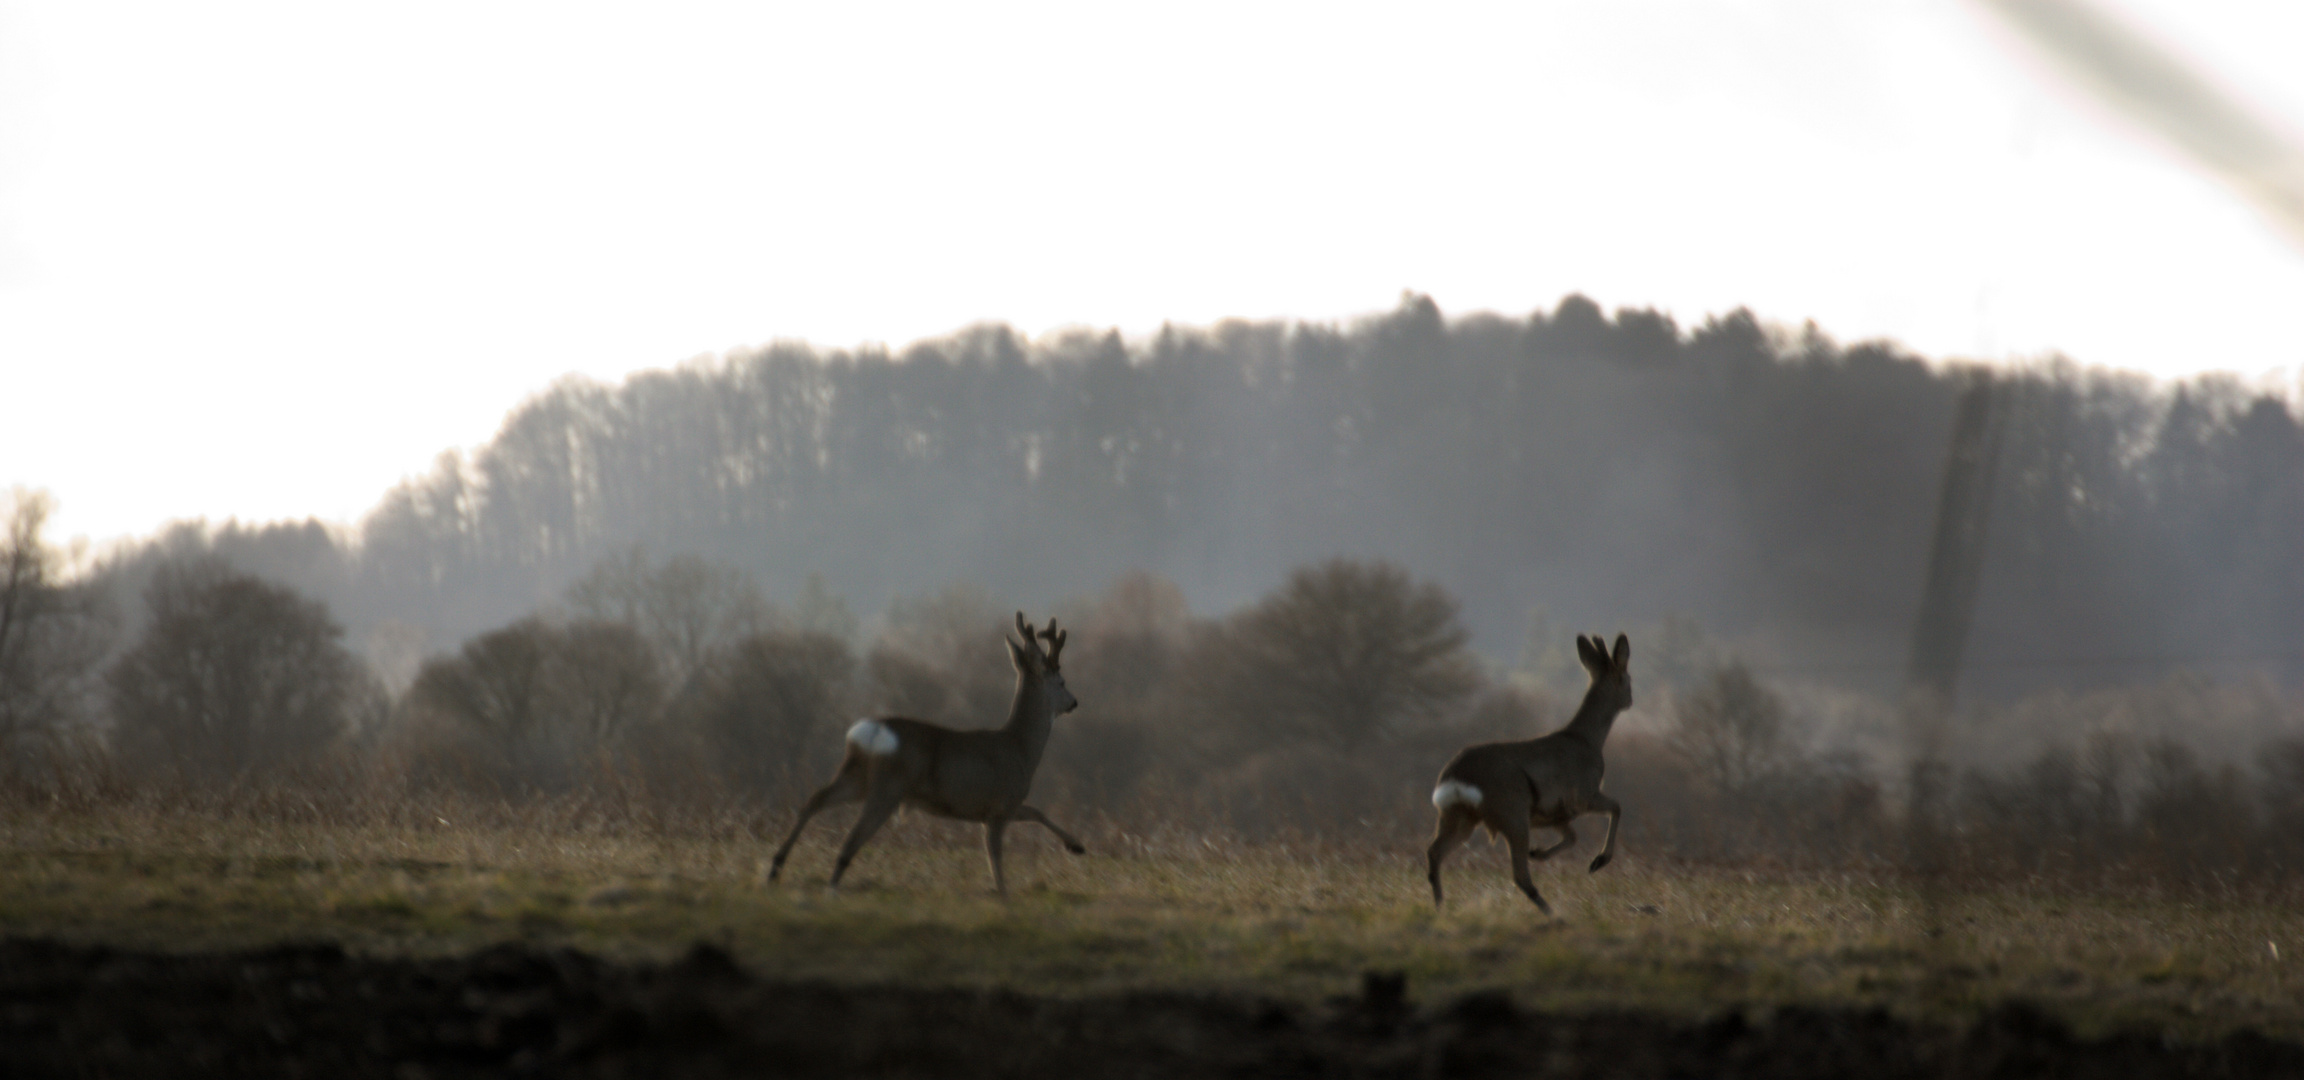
<point x="314" y="1010"/>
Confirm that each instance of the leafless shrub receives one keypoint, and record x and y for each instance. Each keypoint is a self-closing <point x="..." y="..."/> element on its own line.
<point x="2281" y="763"/>
<point x="532" y="703"/>
<point x="1345" y="654"/>
<point x="1122" y="660"/>
<point x="53" y="636"/>
<point x="1733" y="730"/>
<point x="939" y="658"/>
<point x="686" y="607"/>
<point x="2192" y="821"/>
<point x="1318" y="715"/>
<point x="232" y="676"/>
<point x="770" y="707"/>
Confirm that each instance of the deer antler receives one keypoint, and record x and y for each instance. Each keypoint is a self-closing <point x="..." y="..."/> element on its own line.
<point x="1055" y="641"/>
<point x="1031" y="636"/>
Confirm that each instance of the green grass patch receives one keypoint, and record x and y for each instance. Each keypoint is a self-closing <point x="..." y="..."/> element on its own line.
<point x="1293" y="921"/>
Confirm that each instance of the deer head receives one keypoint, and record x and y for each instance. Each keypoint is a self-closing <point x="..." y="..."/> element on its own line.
<point x="1035" y="666"/>
<point x="1611" y="675"/>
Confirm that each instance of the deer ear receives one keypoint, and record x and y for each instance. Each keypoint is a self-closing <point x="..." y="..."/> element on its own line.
<point x="1623" y="659"/>
<point x="1589" y="654"/>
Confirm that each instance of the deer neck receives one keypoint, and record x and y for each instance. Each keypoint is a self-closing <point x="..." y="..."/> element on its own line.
<point x="1030" y="718"/>
<point x="1593" y="719"/>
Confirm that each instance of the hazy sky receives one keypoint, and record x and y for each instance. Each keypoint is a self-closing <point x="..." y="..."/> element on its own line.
<point x="264" y="260"/>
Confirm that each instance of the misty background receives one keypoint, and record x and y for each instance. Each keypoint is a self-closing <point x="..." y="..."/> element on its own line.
<point x="1567" y="471"/>
<point x="1302" y="564"/>
<point x="377" y="229"/>
<point x="1304" y="558"/>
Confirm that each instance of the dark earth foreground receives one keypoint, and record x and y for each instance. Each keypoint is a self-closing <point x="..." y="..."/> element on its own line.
<point x="316" y="1011"/>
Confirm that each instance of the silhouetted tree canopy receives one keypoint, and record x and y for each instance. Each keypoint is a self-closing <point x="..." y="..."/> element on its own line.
<point x="232" y="675"/>
<point x="685" y="607"/>
<point x="1733" y="730"/>
<point x="771" y="701"/>
<point x="1603" y="469"/>
<point x="939" y="658"/>
<point x="1344" y="654"/>
<point x="1277" y="545"/>
<point x="53" y="633"/>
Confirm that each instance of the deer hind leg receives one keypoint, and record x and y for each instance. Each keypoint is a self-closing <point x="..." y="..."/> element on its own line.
<point x="1567" y="833"/>
<point x="1515" y="830"/>
<point x="847" y="787"/>
<point x="1071" y="842"/>
<point x="1456" y="826"/>
<point x="1615" y="812"/>
<point x="992" y="832"/>
<point x="879" y="806"/>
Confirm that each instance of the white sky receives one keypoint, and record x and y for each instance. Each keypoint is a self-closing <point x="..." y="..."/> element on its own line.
<point x="264" y="260"/>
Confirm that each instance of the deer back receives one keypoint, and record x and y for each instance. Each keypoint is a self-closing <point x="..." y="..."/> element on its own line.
<point x="972" y="774"/>
<point x="964" y="774"/>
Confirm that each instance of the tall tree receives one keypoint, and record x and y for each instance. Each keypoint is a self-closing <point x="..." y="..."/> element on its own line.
<point x="53" y="633"/>
<point x="233" y="676"/>
<point x="1344" y="654"/>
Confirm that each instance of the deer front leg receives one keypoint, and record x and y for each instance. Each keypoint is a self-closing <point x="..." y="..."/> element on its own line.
<point x="992" y="831"/>
<point x="1071" y="843"/>
<point x="1567" y="837"/>
<point x="1517" y="837"/>
<point x="843" y="788"/>
<point x="1615" y="812"/>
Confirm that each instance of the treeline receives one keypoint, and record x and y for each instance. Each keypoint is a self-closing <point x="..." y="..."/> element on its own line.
<point x="664" y="691"/>
<point x="685" y="584"/>
<point x="1567" y="468"/>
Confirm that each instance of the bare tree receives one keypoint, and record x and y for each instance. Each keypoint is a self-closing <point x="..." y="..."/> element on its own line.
<point x="537" y="698"/>
<point x="927" y="659"/>
<point x="761" y="703"/>
<point x="1134" y="635"/>
<point x="2282" y="763"/>
<point x="685" y="607"/>
<point x="2191" y="819"/>
<point x="233" y="676"/>
<point x="1132" y="638"/>
<point x="496" y="686"/>
<point x="53" y="635"/>
<point x="607" y="681"/>
<point x="822" y="611"/>
<point x="540" y="697"/>
<point x="1345" y="653"/>
<point x="1732" y="729"/>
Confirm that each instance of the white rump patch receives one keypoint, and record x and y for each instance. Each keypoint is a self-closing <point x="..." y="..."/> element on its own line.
<point x="873" y="737"/>
<point x="1452" y="793"/>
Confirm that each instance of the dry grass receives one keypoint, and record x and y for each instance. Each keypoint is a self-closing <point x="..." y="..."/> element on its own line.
<point x="1175" y="911"/>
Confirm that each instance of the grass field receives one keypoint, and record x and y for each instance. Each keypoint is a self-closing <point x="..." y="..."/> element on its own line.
<point x="1291" y="920"/>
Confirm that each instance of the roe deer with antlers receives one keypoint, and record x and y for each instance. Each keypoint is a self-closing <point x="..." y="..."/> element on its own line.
<point x="966" y="775"/>
<point x="1513" y="787"/>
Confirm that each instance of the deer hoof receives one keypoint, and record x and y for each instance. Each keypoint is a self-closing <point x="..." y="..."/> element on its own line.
<point x="1599" y="862"/>
<point x="1076" y="849"/>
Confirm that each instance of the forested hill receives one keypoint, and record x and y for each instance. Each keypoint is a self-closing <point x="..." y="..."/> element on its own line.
<point x="1588" y="472"/>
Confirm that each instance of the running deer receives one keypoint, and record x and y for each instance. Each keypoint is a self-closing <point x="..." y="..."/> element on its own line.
<point x="1513" y="787"/>
<point x="966" y="775"/>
